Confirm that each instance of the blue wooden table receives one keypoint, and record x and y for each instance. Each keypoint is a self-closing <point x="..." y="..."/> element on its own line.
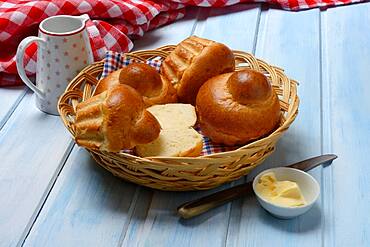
<point x="53" y="193"/>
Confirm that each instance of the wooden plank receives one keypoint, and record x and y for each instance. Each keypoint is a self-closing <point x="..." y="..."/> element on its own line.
<point x="9" y="100"/>
<point x="327" y="186"/>
<point x="284" y="39"/>
<point x="88" y="206"/>
<point x="236" y="26"/>
<point x="34" y="147"/>
<point x="170" y="34"/>
<point x="154" y="222"/>
<point x="346" y="129"/>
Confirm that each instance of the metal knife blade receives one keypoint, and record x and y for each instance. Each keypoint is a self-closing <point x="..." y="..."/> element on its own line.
<point x="201" y="205"/>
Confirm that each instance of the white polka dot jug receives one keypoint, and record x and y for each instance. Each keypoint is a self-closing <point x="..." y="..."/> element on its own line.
<point x="63" y="51"/>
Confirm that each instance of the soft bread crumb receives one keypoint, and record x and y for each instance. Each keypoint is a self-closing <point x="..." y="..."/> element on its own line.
<point x="173" y="143"/>
<point x="174" y="116"/>
<point x="177" y="137"/>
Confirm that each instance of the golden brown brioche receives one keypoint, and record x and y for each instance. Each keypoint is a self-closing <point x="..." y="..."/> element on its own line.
<point x="238" y="107"/>
<point x="193" y="62"/>
<point x="145" y="79"/>
<point x="114" y="120"/>
<point x="111" y="80"/>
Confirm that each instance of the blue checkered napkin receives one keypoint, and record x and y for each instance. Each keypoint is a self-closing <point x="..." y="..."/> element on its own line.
<point x="115" y="60"/>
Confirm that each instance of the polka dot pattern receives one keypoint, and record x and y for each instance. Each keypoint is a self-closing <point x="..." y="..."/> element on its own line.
<point x="58" y="63"/>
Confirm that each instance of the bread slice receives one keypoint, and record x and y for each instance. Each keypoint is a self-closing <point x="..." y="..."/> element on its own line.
<point x="178" y="142"/>
<point x="174" y="116"/>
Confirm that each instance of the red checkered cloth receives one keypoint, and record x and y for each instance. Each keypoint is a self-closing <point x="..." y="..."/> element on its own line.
<point x="115" y="60"/>
<point x="113" y="22"/>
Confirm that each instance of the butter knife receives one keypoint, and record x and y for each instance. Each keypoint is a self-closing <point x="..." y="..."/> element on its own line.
<point x="202" y="205"/>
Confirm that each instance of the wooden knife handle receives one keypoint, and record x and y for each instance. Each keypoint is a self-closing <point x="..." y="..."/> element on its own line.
<point x="202" y="205"/>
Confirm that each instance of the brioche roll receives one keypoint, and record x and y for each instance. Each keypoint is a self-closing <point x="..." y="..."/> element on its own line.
<point x="193" y="62"/>
<point x="107" y="82"/>
<point x="145" y="79"/>
<point x="115" y="120"/>
<point x="238" y="107"/>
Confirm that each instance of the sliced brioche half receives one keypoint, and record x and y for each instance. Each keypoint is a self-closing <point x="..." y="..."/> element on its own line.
<point x="174" y="116"/>
<point x="180" y="142"/>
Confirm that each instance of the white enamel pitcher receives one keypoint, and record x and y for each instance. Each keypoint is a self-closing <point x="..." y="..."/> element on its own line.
<point x="63" y="51"/>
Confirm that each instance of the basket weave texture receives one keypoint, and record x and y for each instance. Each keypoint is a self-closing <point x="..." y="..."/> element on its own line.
<point x="185" y="173"/>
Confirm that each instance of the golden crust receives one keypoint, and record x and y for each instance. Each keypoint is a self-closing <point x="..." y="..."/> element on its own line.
<point x="194" y="152"/>
<point x="114" y="120"/>
<point x="111" y="80"/>
<point x="193" y="62"/>
<point x="227" y="119"/>
<point x="145" y="79"/>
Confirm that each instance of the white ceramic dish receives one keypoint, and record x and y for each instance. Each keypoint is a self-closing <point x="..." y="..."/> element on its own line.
<point x="308" y="185"/>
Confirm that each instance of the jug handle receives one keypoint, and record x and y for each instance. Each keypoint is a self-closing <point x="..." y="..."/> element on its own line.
<point x="20" y="67"/>
<point x="84" y="18"/>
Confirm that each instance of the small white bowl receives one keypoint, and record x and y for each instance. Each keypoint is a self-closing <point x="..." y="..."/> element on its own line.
<point x="308" y="185"/>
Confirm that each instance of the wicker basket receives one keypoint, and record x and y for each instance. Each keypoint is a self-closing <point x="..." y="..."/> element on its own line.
<point x="183" y="173"/>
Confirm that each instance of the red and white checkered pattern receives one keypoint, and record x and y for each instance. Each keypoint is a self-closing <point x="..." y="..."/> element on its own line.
<point x="114" y="21"/>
